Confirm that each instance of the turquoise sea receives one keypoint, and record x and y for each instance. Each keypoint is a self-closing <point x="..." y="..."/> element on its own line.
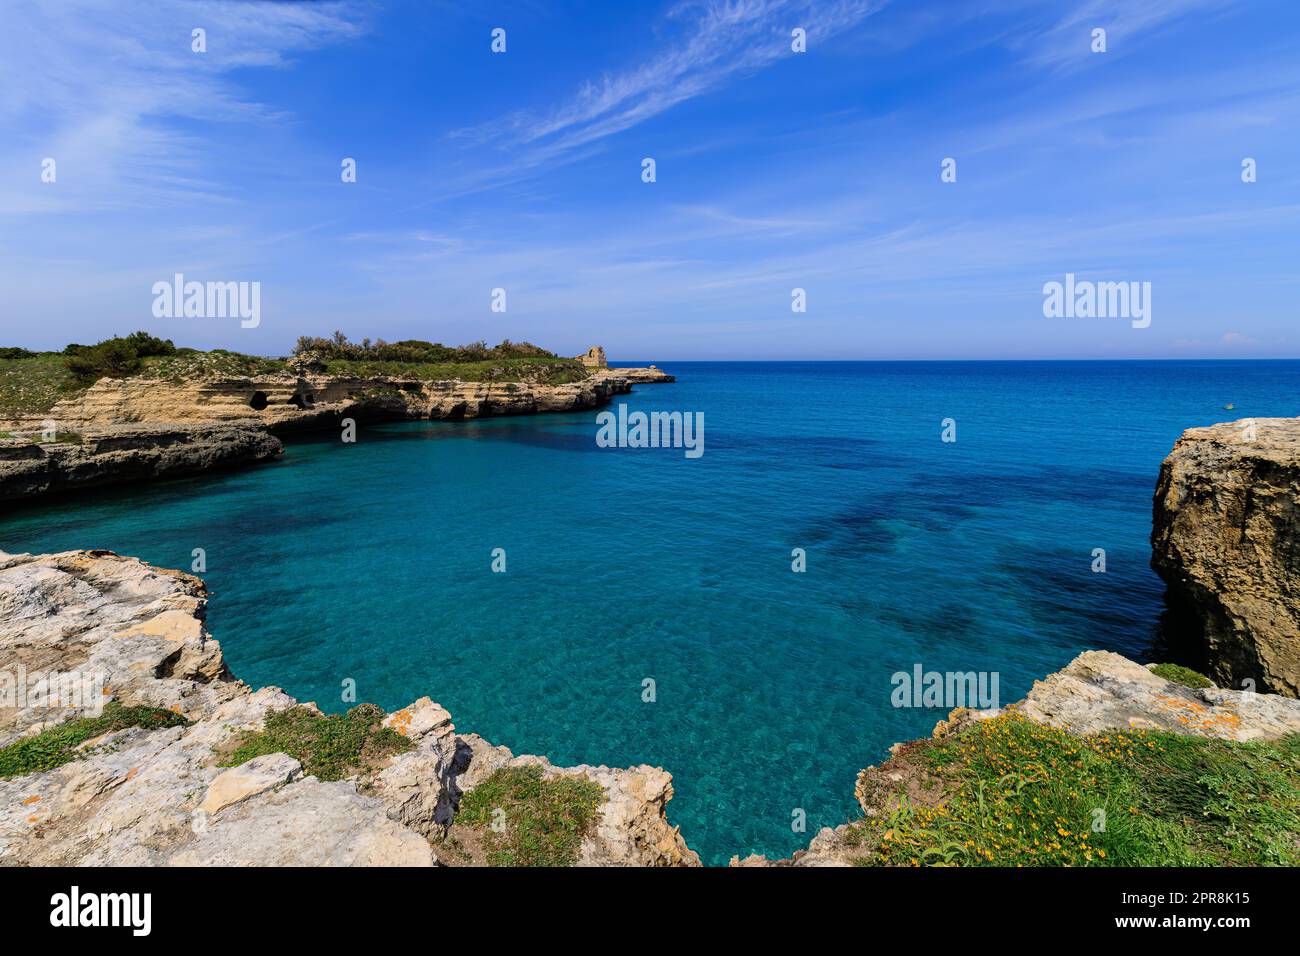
<point x="373" y="562"/>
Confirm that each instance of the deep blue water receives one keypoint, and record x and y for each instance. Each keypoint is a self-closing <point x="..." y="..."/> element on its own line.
<point x="372" y="561"/>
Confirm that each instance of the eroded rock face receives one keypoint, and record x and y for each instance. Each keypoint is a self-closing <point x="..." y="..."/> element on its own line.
<point x="158" y="797"/>
<point x="285" y="403"/>
<point x="1226" y="540"/>
<point x="115" y="454"/>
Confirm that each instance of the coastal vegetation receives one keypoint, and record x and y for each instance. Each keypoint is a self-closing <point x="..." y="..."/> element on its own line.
<point x="329" y="746"/>
<point x="1182" y="675"/>
<point x="433" y="361"/>
<point x="538" y="821"/>
<point x="1010" y="792"/>
<point x="58" y="745"/>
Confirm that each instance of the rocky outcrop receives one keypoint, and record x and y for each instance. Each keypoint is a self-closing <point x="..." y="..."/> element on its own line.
<point x="158" y="797"/>
<point x="285" y="403"/>
<point x="631" y="830"/>
<point x="115" y="454"/>
<point x="594" y="357"/>
<point x="1096" y="692"/>
<point x="1102" y="691"/>
<point x="637" y="376"/>
<point x="1226" y="540"/>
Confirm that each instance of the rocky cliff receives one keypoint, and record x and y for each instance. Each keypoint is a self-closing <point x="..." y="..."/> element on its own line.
<point x="284" y="403"/>
<point x="158" y="796"/>
<point x="117" y="454"/>
<point x="1226" y="540"/>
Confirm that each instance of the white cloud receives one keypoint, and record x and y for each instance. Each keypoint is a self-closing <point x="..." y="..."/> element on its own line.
<point x="722" y="40"/>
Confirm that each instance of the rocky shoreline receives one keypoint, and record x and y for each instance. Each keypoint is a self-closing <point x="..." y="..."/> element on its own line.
<point x="161" y="797"/>
<point x="138" y="429"/>
<point x="158" y="797"/>
<point x="115" y="455"/>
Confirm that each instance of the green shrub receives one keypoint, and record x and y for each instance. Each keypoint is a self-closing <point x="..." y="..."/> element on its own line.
<point x="146" y="345"/>
<point x="114" y="358"/>
<point x="545" y="820"/>
<point x="9" y="352"/>
<point x="58" y="745"/>
<point x="329" y="746"/>
<point x="414" y="350"/>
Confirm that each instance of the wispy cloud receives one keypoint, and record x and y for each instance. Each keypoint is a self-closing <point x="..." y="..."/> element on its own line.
<point x="1066" y="45"/>
<point x="721" y="40"/>
<point x="112" y="91"/>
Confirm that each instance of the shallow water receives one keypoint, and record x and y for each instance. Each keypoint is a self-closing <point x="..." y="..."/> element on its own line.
<point x="372" y="562"/>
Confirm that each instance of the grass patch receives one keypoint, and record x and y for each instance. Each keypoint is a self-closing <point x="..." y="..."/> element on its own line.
<point x="1021" y="794"/>
<point x="545" y="820"/>
<point x="58" y="745"/>
<point x="1182" y="675"/>
<point x="29" y="386"/>
<point x="329" y="746"/>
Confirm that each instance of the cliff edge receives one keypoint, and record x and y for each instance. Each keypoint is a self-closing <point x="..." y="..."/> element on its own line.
<point x="1226" y="539"/>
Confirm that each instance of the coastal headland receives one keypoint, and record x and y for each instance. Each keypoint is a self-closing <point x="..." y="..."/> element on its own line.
<point x="186" y="412"/>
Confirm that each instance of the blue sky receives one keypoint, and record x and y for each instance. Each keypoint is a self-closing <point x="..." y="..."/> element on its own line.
<point x="775" y="170"/>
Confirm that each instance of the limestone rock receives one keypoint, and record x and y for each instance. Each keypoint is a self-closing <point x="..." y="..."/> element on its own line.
<point x="1101" y="691"/>
<point x="1226" y="540"/>
<point x="112" y="453"/>
<point x="248" y="779"/>
<point x="416" y="790"/>
<point x="1096" y="692"/>
<point x="307" y="824"/>
<point x="134" y="629"/>
<point x="420" y="718"/>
